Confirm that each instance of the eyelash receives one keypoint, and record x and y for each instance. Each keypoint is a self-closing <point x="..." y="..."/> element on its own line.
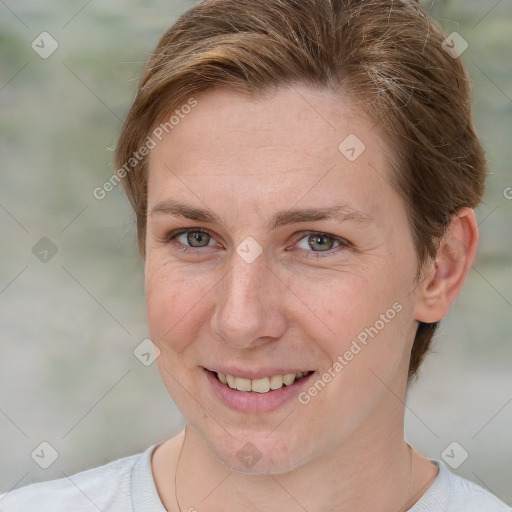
<point x="344" y="244"/>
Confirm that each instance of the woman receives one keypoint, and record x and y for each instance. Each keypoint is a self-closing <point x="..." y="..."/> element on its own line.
<point x="304" y="176"/>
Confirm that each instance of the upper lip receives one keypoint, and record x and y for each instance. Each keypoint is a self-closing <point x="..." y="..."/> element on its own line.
<point x="254" y="373"/>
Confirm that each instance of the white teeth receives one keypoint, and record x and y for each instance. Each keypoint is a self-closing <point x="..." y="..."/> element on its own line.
<point x="276" y="381"/>
<point x="263" y="385"/>
<point x="260" y="385"/>
<point x="231" y="381"/>
<point x="243" y="384"/>
<point x="288" y="378"/>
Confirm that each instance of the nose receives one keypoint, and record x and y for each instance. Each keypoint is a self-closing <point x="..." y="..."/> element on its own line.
<point x="250" y="306"/>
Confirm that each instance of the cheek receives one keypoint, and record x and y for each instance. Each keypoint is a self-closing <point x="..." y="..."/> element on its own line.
<point x="365" y="356"/>
<point x="345" y="302"/>
<point x="173" y="299"/>
<point x="173" y="320"/>
<point x="362" y="316"/>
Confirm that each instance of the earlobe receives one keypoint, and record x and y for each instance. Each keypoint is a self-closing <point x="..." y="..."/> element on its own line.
<point x="444" y="278"/>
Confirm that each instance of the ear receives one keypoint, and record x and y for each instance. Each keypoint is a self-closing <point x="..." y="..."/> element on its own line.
<point x="444" y="278"/>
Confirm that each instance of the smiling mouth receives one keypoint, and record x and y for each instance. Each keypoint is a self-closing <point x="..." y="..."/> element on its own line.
<point x="264" y="385"/>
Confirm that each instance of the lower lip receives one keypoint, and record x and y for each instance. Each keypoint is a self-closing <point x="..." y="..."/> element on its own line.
<point x="252" y="402"/>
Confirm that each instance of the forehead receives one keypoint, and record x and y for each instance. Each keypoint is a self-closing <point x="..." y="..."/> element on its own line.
<point x="297" y="145"/>
<point x="288" y="117"/>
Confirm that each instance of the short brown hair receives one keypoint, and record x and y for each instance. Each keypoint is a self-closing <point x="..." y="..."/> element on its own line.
<point x="388" y="55"/>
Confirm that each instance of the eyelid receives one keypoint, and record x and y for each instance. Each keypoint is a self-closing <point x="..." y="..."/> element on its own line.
<point x="306" y="233"/>
<point x="343" y="243"/>
<point x="170" y="237"/>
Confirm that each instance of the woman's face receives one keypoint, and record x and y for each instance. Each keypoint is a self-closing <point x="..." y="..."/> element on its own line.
<point x="262" y="292"/>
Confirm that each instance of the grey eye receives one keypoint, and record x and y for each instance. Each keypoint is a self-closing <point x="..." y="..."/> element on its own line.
<point x="319" y="242"/>
<point x="195" y="238"/>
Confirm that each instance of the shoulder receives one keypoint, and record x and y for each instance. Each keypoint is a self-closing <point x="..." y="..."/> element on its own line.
<point x="452" y="493"/>
<point x="105" y="488"/>
<point x="471" y="497"/>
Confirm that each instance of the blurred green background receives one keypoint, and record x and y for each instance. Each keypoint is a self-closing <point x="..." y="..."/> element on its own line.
<point x="68" y="326"/>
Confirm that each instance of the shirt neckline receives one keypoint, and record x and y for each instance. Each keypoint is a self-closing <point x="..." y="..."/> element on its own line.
<point x="145" y="497"/>
<point x="436" y="496"/>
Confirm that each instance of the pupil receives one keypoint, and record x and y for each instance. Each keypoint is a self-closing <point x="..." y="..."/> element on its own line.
<point x="198" y="237"/>
<point x="320" y="241"/>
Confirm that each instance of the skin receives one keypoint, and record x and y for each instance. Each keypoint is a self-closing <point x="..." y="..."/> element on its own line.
<point x="245" y="159"/>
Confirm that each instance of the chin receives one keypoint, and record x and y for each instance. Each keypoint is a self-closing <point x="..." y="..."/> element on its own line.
<point x="258" y="453"/>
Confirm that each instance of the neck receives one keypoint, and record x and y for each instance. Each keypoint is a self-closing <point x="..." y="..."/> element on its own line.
<point x="382" y="474"/>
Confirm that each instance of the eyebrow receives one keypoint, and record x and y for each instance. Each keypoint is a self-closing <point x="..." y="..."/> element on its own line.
<point x="339" y="213"/>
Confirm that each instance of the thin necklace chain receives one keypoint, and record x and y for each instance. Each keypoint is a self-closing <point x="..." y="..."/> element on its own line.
<point x="176" y="471"/>
<point x="410" y="474"/>
<point x="183" y="444"/>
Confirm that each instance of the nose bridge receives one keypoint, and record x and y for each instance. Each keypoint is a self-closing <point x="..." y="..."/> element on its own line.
<point x="244" y="284"/>
<point x="245" y="308"/>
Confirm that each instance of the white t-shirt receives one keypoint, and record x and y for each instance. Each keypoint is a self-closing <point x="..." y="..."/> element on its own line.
<point x="127" y="485"/>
